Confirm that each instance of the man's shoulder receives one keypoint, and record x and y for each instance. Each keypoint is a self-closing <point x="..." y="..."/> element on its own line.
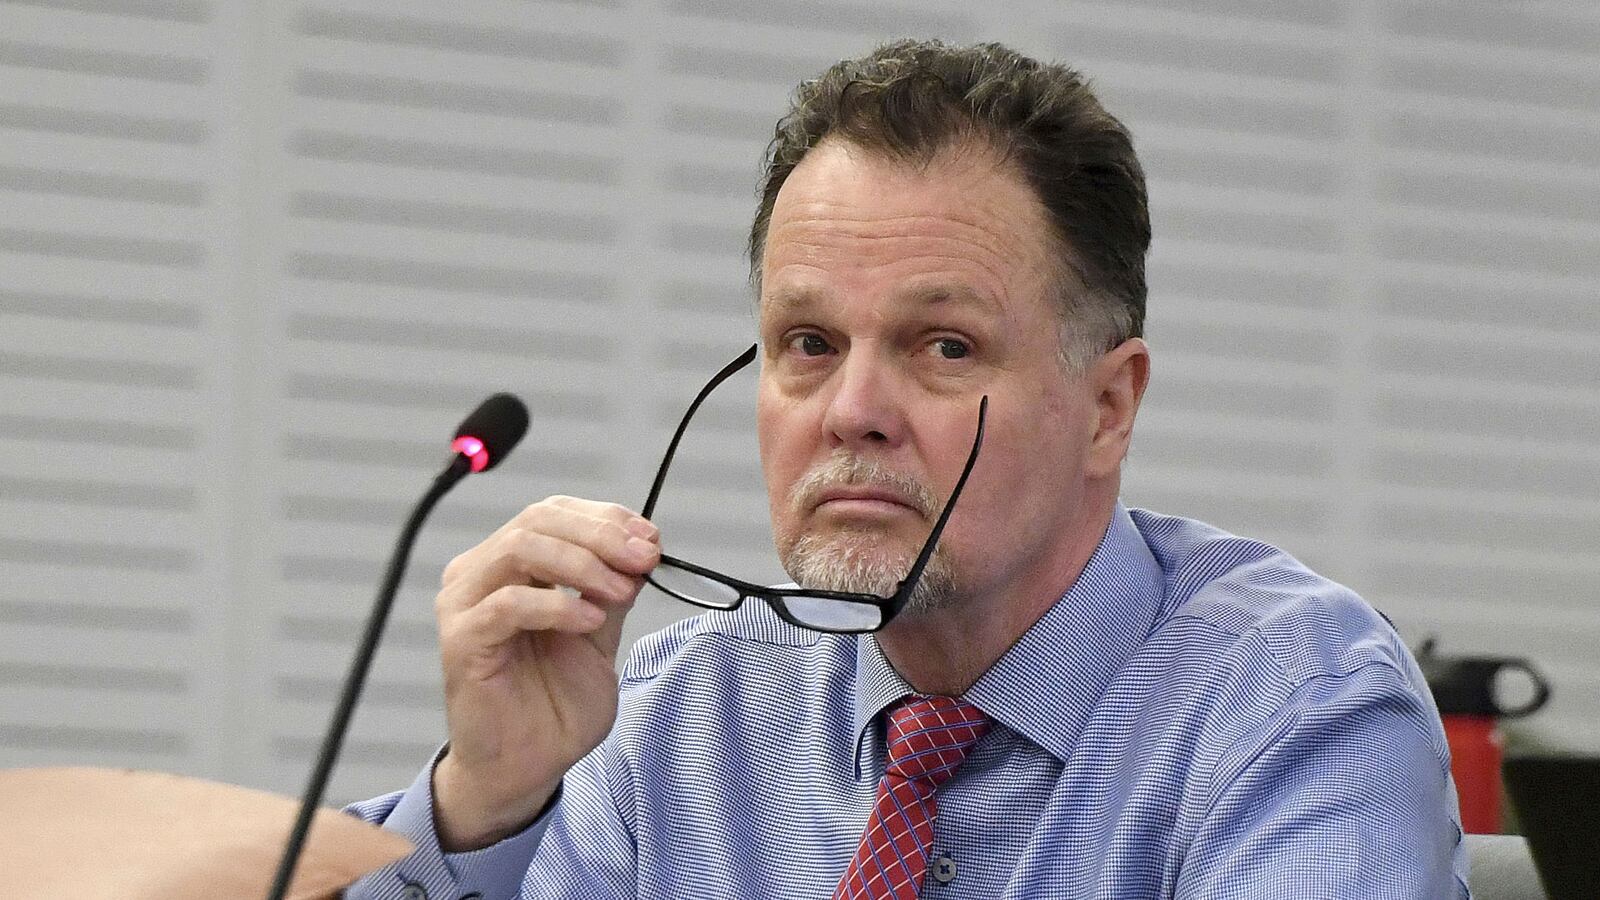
<point x="1250" y="641"/>
<point x="1253" y="600"/>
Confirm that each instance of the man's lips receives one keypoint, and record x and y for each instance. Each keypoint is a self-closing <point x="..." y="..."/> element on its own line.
<point x="863" y="500"/>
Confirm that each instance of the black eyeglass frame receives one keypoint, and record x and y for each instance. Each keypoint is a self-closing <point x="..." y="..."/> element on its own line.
<point x="888" y="607"/>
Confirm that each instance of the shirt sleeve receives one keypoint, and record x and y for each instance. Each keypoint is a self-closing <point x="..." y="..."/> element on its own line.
<point x="1344" y="793"/>
<point x="589" y="850"/>
<point x="492" y="873"/>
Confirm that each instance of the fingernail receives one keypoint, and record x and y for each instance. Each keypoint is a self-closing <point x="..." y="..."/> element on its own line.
<point x="641" y="548"/>
<point x="643" y="528"/>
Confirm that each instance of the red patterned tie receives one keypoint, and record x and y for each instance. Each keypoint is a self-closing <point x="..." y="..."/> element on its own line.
<point x="928" y="739"/>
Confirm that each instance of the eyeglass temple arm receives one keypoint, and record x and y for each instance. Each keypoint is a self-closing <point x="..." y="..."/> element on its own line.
<point x="666" y="461"/>
<point x="901" y="594"/>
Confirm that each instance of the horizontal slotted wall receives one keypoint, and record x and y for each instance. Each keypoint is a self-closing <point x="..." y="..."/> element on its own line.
<point x="257" y="259"/>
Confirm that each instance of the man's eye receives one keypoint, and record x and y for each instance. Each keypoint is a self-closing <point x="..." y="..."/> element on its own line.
<point x="950" y="348"/>
<point x="810" y="344"/>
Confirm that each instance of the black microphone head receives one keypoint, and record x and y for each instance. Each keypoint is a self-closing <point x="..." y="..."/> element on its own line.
<point x="486" y="436"/>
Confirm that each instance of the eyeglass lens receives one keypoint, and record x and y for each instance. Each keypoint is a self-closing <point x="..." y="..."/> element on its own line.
<point x="694" y="588"/>
<point x="824" y="614"/>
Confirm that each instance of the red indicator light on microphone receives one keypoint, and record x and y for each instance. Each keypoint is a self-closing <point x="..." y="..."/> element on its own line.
<point x="473" y="449"/>
<point x="489" y="433"/>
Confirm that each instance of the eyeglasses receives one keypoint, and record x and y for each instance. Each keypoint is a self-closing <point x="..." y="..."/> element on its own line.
<point x="841" y="612"/>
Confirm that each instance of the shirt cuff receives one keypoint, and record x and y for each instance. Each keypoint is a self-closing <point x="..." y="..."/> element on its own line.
<point x="494" y="872"/>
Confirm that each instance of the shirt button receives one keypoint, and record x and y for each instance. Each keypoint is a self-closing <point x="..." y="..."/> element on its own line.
<point x="944" y="869"/>
<point x="414" y="891"/>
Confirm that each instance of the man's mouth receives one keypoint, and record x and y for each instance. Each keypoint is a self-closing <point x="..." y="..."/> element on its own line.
<point x="852" y="492"/>
<point x="861" y="500"/>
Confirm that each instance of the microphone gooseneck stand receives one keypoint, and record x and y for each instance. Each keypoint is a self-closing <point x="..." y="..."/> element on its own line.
<point x="459" y="467"/>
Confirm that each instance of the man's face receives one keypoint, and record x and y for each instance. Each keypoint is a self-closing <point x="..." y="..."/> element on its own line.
<point x="893" y="298"/>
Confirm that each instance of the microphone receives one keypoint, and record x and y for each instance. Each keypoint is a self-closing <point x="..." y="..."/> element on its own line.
<point x="484" y="438"/>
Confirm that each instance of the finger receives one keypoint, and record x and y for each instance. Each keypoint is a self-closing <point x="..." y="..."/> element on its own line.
<point x="615" y="513"/>
<point x="536" y="516"/>
<point x="515" y="609"/>
<point x="500" y="559"/>
<point x="543" y="560"/>
<point x="607" y="530"/>
<point x="625" y="540"/>
<point x="608" y="637"/>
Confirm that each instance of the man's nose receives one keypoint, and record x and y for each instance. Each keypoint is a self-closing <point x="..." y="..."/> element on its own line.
<point x="865" y="406"/>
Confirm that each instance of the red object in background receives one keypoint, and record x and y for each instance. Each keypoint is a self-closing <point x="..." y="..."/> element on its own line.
<point x="1464" y="689"/>
<point x="1475" y="755"/>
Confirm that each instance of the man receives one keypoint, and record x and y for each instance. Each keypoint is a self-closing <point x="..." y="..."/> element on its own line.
<point x="1076" y="700"/>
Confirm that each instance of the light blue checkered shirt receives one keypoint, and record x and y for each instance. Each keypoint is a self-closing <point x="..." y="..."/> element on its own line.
<point x="1199" y="716"/>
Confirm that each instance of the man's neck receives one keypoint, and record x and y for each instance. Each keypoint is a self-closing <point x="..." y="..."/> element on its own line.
<point x="943" y="651"/>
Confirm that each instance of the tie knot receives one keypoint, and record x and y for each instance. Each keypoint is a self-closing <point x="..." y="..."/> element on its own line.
<point x="930" y="736"/>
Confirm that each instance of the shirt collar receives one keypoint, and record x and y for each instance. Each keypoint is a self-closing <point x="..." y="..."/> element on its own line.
<point x="1046" y="685"/>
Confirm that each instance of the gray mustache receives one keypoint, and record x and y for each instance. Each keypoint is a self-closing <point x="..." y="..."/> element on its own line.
<point x="844" y="468"/>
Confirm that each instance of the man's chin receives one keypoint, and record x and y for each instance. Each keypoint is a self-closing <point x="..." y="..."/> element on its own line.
<point x="868" y="567"/>
<point x="847" y="562"/>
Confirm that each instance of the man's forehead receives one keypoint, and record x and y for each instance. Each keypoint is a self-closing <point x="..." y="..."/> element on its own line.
<point x="915" y="295"/>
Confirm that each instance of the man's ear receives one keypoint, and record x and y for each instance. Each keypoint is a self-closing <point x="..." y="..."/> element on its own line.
<point x="1119" y="378"/>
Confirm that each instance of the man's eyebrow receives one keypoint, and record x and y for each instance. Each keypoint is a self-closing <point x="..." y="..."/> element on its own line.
<point x="788" y="300"/>
<point x="949" y="295"/>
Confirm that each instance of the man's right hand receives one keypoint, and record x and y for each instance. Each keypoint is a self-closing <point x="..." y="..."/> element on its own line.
<point x="529" y="623"/>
